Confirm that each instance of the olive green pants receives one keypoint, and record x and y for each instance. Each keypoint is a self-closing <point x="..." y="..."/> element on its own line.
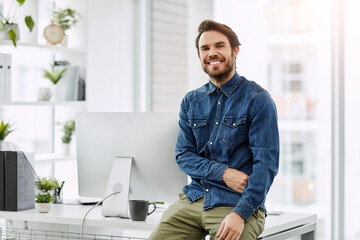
<point x="185" y="220"/>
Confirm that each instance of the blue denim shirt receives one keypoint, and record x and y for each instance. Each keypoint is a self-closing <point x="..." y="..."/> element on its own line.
<point x="234" y="126"/>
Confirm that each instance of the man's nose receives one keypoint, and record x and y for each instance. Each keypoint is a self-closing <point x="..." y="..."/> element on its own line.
<point x="213" y="52"/>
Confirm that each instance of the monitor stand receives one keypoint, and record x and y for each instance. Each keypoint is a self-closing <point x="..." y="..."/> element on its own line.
<point x="119" y="181"/>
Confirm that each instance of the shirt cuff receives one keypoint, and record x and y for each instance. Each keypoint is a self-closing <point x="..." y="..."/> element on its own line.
<point x="218" y="172"/>
<point x="244" y="210"/>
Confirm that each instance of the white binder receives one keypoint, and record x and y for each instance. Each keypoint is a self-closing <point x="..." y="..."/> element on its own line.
<point x="5" y="77"/>
<point x="2" y="77"/>
<point x="8" y="69"/>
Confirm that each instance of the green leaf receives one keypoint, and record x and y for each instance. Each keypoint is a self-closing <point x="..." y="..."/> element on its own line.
<point x="47" y="184"/>
<point x="5" y="130"/>
<point x="44" y="197"/>
<point x="12" y="35"/>
<point x="66" y="18"/>
<point x="29" y="22"/>
<point x="55" y="75"/>
<point x="21" y="2"/>
<point x="68" y="128"/>
<point x="2" y="26"/>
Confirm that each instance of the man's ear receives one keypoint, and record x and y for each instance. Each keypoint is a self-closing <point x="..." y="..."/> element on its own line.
<point x="236" y="51"/>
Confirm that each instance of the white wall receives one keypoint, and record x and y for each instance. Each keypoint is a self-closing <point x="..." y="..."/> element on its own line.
<point x="175" y="64"/>
<point x="110" y="83"/>
<point x="352" y="119"/>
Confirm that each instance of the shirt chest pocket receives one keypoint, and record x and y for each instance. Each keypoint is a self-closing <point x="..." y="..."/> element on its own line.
<point x="198" y="126"/>
<point x="234" y="130"/>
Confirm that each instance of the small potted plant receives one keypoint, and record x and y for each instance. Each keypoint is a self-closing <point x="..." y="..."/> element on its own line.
<point x="45" y="196"/>
<point x="9" y="26"/>
<point x="66" y="18"/>
<point x="68" y="129"/>
<point x="54" y="75"/>
<point x="43" y="202"/>
<point x="5" y="130"/>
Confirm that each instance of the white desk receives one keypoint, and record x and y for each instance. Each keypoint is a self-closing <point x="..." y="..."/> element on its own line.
<point x="277" y="227"/>
<point x="289" y="225"/>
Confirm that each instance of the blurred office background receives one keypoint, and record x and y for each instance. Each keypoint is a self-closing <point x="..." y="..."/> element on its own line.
<point x="140" y="55"/>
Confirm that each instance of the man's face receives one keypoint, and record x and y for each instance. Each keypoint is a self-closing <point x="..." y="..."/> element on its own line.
<point x="216" y="56"/>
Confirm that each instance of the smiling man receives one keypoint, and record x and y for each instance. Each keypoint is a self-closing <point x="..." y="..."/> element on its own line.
<point x="214" y="56"/>
<point x="228" y="144"/>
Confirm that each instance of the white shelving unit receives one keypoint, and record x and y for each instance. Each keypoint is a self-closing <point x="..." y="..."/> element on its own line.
<point x="54" y="48"/>
<point x="51" y="105"/>
<point x="53" y="157"/>
<point x="28" y="59"/>
<point x="43" y="103"/>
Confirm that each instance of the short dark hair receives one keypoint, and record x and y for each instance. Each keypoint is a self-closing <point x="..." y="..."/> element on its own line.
<point x="209" y="25"/>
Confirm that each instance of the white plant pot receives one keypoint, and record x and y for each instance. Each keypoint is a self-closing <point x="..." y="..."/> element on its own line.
<point x="66" y="149"/>
<point x="64" y="42"/>
<point x="5" y="35"/>
<point x="8" y="146"/>
<point x="44" y="94"/>
<point x="43" y="207"/>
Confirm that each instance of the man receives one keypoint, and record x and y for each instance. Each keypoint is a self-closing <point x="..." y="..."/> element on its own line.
<point x="228" y="144"/>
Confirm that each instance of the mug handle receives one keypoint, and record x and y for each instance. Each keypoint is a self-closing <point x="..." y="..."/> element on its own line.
<point x="153" y="209"/>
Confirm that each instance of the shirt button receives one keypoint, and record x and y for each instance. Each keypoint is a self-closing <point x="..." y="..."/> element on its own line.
<point x="211" y="143"/>
<point x="195" y="125"/>
<point x="219" y="102"/>
<point x="207" y="189"/>
<point x="217" y="123"/>
<point x="234" y="124"/>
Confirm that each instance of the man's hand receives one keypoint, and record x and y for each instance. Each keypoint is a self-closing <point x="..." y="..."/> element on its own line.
<point x="231" y="227"/>
<point x="235" y="179"/>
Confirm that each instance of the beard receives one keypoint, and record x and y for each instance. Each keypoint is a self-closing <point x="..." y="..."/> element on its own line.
<point x="216" y="73"/>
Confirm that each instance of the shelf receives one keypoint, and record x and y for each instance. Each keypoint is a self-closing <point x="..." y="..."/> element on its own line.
<point x="54" y="48"/>
<point x="53" y="157"/>
<point x="43" y="103"/>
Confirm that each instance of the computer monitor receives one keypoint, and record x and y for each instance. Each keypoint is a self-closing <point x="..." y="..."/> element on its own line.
<point x="147" y="137"/>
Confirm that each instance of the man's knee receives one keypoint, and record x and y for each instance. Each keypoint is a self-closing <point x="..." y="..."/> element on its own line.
<point x="181" y="220"/>
<point x="254" y="226"/>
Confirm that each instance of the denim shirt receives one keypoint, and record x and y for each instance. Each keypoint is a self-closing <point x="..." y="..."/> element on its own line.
<point x="232" y="126"/>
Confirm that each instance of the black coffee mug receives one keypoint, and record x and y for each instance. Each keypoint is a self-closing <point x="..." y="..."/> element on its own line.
<point x="139" y="209"/>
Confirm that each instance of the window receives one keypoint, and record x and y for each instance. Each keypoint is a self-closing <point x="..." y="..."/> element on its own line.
<point x="286" y="49"/>
<point x="352" y="119"/>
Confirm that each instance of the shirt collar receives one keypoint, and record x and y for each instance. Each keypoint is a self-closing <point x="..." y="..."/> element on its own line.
<point x="228" y="87"/>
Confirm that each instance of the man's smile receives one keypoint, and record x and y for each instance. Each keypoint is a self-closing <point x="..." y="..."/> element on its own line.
<point x="217" y="62"/>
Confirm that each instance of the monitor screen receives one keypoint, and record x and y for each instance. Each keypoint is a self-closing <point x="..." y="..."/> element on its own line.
<point x="147" y="137"/>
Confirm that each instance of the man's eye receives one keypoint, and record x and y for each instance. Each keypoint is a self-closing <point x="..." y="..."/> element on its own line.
<point x="220" y="46"/>
<point x="204" y="49"/>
